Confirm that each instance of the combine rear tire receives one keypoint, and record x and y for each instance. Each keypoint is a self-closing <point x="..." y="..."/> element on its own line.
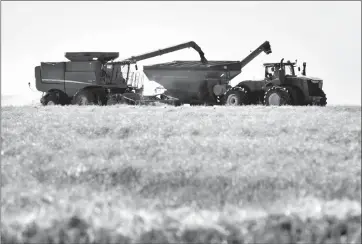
<point x="50" y="99"/>
<point x="236" y="97"/>
<point x="277" y="96"/>
<point x="54" y="97"/>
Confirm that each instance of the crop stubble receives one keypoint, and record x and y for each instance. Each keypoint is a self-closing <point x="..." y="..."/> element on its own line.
<point x="207" y="171"/>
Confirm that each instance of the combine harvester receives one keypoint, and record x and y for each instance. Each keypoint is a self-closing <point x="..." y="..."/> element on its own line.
<point x="95" y="78"/>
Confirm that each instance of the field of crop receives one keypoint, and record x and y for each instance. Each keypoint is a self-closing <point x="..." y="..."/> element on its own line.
<point x="162" y="174"/>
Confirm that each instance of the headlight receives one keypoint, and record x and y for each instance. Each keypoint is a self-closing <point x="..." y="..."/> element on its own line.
<point x="320" y="85"/>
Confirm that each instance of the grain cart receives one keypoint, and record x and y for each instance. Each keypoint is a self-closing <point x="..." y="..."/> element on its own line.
<point x="281" y="86"/>
<point x="95" y="78"/>
<point x="200" y="83"/>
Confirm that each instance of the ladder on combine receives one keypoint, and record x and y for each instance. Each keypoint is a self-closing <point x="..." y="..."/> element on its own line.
<point x="135" y="80"/>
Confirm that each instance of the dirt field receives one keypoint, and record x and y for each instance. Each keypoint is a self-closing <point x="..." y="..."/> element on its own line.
<point x="163" y="174"/>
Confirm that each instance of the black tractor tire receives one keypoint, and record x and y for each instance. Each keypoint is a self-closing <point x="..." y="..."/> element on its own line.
<point x="297" y="98"/>
<point x="277" y="96"/>
<point x="323" y="101"/>
<point x="236" y="97"/>
<point x="50" y="99"/>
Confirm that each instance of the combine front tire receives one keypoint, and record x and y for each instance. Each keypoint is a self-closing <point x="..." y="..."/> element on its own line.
<point x="90" y="96"/>
<point x="277" y="96"/>
<point x="84" y="97"/>
<point x="236" y="97"/>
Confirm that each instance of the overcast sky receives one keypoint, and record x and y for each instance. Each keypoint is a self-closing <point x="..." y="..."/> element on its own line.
<point x="327" y="35"/>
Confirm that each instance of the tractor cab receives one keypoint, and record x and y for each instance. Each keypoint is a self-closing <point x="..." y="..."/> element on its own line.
<point x="275" y="71"/>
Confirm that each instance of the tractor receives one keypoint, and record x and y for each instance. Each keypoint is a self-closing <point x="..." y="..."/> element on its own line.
<point x="280" y="86"/>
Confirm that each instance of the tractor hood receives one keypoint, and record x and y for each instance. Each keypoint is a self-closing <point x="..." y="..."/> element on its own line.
<point x="309" y="78"/>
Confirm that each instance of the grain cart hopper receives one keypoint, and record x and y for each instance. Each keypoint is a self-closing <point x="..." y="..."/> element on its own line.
<point x="95" y="78"/>
<point x="282" y="86"/>
<point x="195" y="82"/>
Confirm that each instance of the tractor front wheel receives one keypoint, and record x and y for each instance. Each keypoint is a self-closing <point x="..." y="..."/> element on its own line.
<point x="277" y="96"/>
<point x="236" y="97"/>
<point x="323" y="101"/>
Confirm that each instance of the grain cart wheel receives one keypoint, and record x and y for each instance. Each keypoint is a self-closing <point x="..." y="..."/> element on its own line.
<point x="323" y="101"/>
<point x="277" y="96"/>
<point x="236" y="97"/>
<point x="85" y="97"/>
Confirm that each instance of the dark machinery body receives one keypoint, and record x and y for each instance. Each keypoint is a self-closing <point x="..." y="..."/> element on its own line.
<point x="71" y="76"/>
<point x="209" y="83"/>
<point x="196" y="82"/>
<point x="281" y="86"/>
<point x="94" y="78"/>
<point x="192" y="81"/>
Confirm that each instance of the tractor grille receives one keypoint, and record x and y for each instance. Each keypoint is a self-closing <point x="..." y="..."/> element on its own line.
<point x="313" y="89"/>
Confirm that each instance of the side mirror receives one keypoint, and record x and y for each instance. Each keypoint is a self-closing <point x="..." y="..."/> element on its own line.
<point x="298" y="68"/>
<point x="273" y="69"/>
<point x="136" y="67"/>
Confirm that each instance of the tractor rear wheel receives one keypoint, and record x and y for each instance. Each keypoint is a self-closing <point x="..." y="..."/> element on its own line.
<point x="236" y="97"/>
<point x="277" y="96"/>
